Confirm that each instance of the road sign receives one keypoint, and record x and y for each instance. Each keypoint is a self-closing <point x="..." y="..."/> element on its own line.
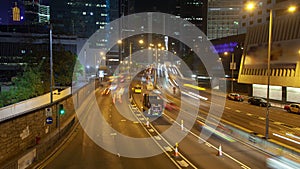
<point x="48" y="111"/>
<point x="49" y="120"/>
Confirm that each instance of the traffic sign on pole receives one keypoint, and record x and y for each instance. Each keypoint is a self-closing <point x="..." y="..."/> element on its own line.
<point x="49" y="120"/>
<point x="48" y="111"/>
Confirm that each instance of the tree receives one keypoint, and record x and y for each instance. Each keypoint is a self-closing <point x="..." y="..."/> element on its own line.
<point x="29" y="84"/>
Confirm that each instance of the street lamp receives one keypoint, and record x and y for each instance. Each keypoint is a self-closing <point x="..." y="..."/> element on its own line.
<point x="141" y="41"/>
<point x="251" y="6"/>
<point x="51" y="65"/>
<point x="232" y="67"/>
<point x="156" y="48"/>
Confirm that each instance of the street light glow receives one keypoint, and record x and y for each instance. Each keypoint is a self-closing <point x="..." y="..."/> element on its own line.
<point x="250" y="6"/>
<point x="292" y="9"/>
<point x="141" y="41"/>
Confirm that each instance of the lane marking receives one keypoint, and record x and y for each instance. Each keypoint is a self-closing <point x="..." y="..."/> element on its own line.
<point x="151" y="130"/>
<point x="182" y="163"/>
<point x="157" y="137"/>
<point x="216" y="148"/>
<point x="168" y="149"/>
<point x="277" y="122"/>
<point x="261" y="118"/>
<point x="238" y="111"/>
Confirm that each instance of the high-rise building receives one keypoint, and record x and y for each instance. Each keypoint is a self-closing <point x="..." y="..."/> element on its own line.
<point x="24" y="12"/>
<point x="194" y="11"/>
<point x="81" y="18"/>
<point x="261" y="13"/>
<point x="223" y="18"/>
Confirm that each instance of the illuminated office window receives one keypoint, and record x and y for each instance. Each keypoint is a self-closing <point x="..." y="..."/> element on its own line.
<point x="16" y="13"/>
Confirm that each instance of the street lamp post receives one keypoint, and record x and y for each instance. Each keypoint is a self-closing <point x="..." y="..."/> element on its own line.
<point x="251" y="6"/>
<point x="130" y="57"/>
<point x="51" y="65"/>
<point x="232" y="68"/>
<point x="268" y="73"/>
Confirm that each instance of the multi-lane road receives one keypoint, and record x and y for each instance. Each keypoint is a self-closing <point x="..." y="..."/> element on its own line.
<point x="81" y="151"/>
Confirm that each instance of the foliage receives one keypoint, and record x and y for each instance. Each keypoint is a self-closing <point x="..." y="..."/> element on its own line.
<point x="26" y="85"/>
<point x="35" y="80"/>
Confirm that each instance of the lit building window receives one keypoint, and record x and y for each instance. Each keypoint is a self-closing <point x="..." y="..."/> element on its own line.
<point x="83" y="13"/>
<point x="103" y="14"/>
<point x="16" y="13"/>
<point x="91" y="13"/>
<point x="103" y="5"/>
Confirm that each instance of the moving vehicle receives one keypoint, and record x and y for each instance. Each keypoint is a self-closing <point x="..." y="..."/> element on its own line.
<point x="258" y="101"/>
<point x="235" y="97"/>
<point x="292" y="108"/>
<point x="171" y="106"/>
<point x="150" y="86"/>
<point x="281" y="162"/>
<point x="137" y="89"/>
<point x="152" y="105"/>
<point x="106" y="91"/>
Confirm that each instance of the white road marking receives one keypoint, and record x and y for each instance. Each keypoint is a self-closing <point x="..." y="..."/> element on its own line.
<point x="238" y="111"/>
<point x="261" y="118"/>
<point x="249" y="114"/>
<point x="169" y="149"/>
<point x="277" y="122"/>
<point x="182" y="163"/>
<point x="157" y="137"/>
<point x="151" y="130"/>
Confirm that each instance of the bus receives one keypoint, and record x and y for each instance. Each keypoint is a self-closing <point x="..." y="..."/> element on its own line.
<point x="153" y="105"/>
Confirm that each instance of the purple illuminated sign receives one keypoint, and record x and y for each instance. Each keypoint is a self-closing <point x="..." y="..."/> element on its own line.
<point x="226" y="47"/>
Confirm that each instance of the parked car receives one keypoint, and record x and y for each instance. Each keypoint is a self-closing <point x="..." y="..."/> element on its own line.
<point x="235" y="97"/>
<point x="292" y="108"/>
<point x="258" y="101"/>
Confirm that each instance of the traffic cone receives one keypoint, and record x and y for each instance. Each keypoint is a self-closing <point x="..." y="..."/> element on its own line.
<point x="219" y="151"/>
<point x="176" y="150"/>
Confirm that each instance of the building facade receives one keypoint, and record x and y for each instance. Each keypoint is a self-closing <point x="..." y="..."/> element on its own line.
<point x="284" y="61"/>
<point x="261" y="13"/>
<point x="16" y="12"/>
<point x="223" y="18"/>
<point x="80" y="18"/>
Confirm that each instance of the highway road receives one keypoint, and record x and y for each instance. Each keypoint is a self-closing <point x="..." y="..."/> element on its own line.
<point x="82" y="152"/>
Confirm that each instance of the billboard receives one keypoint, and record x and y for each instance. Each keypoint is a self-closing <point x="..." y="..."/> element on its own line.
<point x="282" y="54"/>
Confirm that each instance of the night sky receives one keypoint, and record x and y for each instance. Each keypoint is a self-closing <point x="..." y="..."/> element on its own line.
<point x="3" y="11"/>
<point x="165" y="6"/>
